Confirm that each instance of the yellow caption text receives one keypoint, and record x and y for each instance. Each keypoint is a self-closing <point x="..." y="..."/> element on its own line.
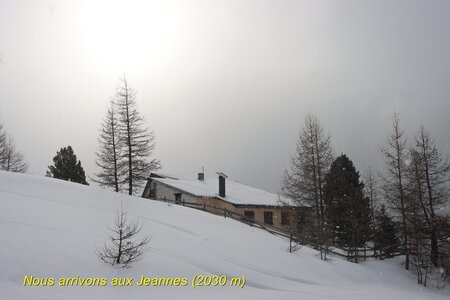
<point x="143" y="281"/>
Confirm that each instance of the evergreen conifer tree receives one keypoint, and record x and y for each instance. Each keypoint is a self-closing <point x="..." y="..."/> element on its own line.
<point x="385" y="237"/>
<point x="66" y="167"/>
<point x="348" y="210"/>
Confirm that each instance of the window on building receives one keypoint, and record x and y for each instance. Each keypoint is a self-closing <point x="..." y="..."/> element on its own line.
<point x="301" y="218"/>
<point x="284" y="218"/>
<point x="152" y="193"/>
<point x="268" y="217"/>
<point x="177" y="197"/>
<point x="249" y="215"/>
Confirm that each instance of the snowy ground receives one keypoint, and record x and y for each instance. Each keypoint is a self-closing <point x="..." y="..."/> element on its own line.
<point x="50" y="228"/>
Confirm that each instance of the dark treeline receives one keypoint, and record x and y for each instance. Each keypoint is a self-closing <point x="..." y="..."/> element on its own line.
<point x="400" y="209"/>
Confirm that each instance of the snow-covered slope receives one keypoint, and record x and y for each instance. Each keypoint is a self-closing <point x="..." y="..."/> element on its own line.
<point x="50" y="228"/>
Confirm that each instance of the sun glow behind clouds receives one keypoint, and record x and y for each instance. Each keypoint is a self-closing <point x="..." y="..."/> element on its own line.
<point x="132" y="35"/>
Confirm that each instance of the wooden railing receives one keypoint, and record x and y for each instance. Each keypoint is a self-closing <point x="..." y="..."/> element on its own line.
<point x="351" y="254"/>
<point x="226" y="213"/>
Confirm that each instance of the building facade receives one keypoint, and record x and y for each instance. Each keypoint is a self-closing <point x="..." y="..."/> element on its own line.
<point x="224" y="196"/>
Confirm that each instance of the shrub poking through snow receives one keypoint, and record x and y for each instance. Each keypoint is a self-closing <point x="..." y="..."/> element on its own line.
<point x="123" y="248"/>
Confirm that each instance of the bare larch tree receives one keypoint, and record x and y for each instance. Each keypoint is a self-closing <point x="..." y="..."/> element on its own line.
<point x="110" y="153"/>
<point x="371" y="190"/>
<point x="3" y="141"/>
<point x="431" y="173"/>
<point x="304" y="181"/>
<point x="122" y="247"/>
<point x="11" y="159"/>
<point x="396" y="155"/>
<point x="138" y="140"/>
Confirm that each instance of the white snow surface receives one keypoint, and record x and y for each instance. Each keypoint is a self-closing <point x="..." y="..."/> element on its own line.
<point x="236" y="192"/>
<point x="51" y="228"/>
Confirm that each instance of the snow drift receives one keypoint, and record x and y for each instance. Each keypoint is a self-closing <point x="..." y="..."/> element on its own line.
<point x="51" y="228"/>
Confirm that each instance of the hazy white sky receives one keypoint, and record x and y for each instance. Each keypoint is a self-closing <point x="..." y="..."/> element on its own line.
<point x="224" y="84"/>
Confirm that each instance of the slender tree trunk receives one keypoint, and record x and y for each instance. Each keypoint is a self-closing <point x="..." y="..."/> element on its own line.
<point x="402" y="203"/>
<point x="405" y="229"/>
<point x="8" y="163"/>
<point x="372" y="210"/>
<point x="119" y="255"/>
<point x="116" y="176"/>
<point x="319" y="193"/>
<point x="319" y="176"/>
<point x="433" y="238"/>
<point x="316" y="196"/>
<point x="130" y="162"/>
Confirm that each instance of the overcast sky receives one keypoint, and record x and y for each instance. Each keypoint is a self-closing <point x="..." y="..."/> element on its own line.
<point x="224" y="84"/>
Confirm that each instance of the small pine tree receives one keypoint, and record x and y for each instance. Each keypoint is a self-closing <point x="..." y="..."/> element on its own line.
<point x="123" y="248"/>
<point x="385" y="237"/>
<point x="66" y="167"/>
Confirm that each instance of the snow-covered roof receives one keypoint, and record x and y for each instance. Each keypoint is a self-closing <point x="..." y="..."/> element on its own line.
<point x="236" y="192"/>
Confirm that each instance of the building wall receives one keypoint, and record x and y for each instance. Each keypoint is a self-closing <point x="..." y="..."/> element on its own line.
<point x="217" y="206"/>
<point x="164" y="192"/>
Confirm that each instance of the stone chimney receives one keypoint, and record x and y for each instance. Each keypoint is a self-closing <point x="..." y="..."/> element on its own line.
<point x="201" y="176"/>
<point x="222" y="178"/>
